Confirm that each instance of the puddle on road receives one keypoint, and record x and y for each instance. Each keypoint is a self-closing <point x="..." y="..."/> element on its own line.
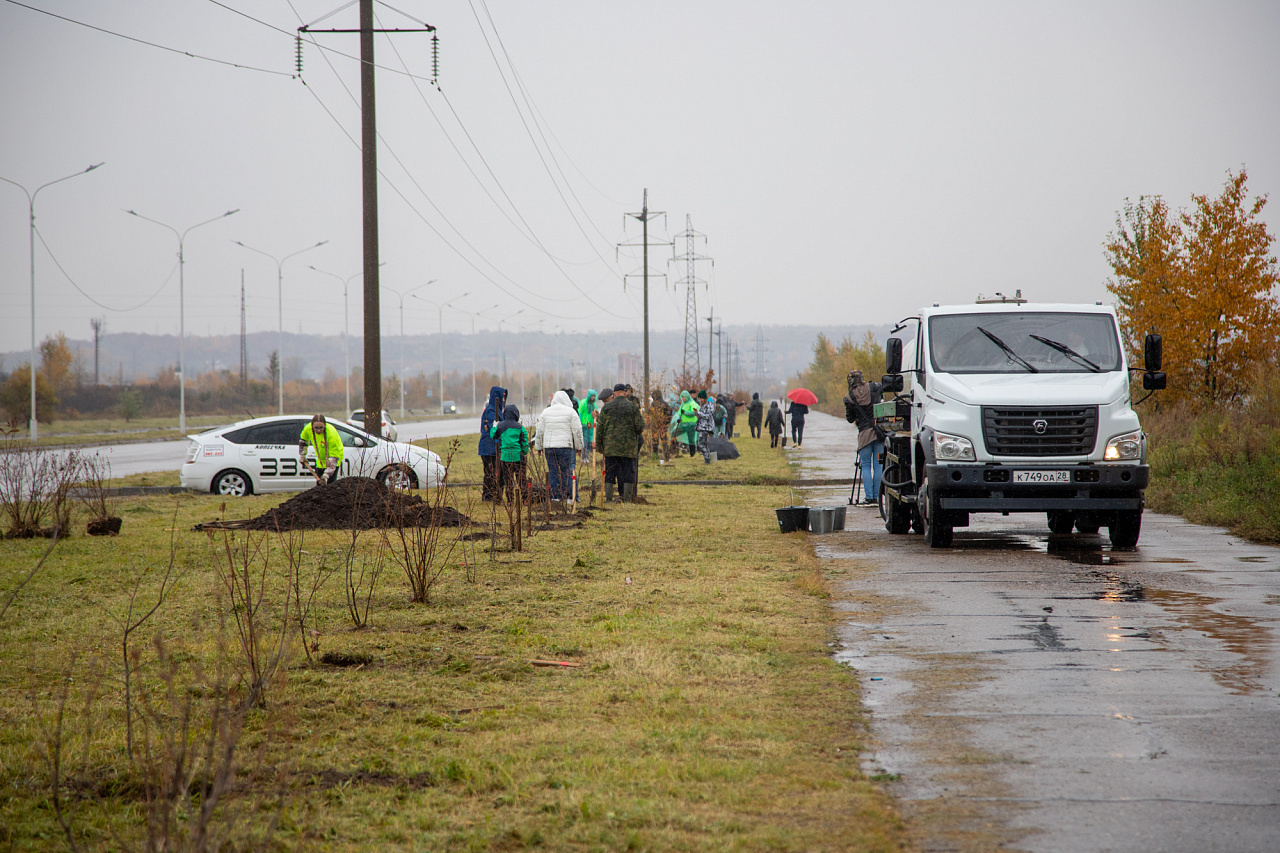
<point x="1249" y="642"/>
<point x="1116" y="588"/>
<point x="1252" y="559"/>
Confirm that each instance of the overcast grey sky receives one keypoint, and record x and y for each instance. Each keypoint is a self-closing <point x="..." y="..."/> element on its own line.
<point x="847" y="161"/>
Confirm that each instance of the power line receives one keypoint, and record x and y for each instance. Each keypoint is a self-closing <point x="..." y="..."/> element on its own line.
<point x="68" y="277"/>
<point x="151" y="44"/>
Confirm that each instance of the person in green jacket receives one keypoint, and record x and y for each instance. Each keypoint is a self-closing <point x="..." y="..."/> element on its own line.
<point x="684" y="422"/>
<point x="321" y="435"/>
<point x="513" y="446"/>
<point x="587" y="413"/>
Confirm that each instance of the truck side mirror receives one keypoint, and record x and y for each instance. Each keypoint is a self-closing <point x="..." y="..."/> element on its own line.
<point x="891" y="383"/>
<point x="1152" y="353"/>
<point x="893" y="355"/>
<point x="1154" y="380"/>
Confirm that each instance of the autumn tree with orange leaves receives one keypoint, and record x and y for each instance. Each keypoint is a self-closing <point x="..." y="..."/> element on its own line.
<point x="1204" y="279"/>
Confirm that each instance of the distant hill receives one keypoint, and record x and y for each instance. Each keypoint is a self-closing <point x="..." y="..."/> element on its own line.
<point x="588" y="358"/>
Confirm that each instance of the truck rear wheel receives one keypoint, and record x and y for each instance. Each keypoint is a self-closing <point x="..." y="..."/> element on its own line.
<point x="937" y="530"/>
<point x="1125" y="528"/>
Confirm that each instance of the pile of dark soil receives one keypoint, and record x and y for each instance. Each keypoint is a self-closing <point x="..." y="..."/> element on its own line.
<point x="359" y="502"/>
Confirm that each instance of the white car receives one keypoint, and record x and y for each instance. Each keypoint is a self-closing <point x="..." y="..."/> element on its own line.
<point x="261" y="455"/>
<point x="388" y="425"/>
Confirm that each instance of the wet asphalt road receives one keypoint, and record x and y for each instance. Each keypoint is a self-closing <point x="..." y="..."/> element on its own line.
<point x="147" y="456"/>
<point x="1041" y="692"/>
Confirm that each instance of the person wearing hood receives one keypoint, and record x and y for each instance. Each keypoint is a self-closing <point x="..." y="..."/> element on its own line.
<point x="587" y="416"/>
<point x="773" y="421"/>
<point x="488" y="448"/>
<point x="722" y="412"/>
<point x="706" y="424"/>
<point x="859" y="409"/>
<point x="559" y="437"/>
<point x="755" y="414"/>
<point x="684" y="422"/>
<point x="512" y="441"/>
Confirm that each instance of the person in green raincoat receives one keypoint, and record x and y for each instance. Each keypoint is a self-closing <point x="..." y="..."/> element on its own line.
<point x="684" y="422"/>
<point x="587" y="414"/>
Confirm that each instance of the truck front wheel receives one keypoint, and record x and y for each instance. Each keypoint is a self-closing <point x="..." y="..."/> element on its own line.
<point x="937" y="530"/>
<point x="1061" y="521"/>
<point x="1125" y="528"/>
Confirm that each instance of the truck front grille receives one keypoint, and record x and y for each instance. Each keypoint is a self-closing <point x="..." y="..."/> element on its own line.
<point x="1040" y="431"/>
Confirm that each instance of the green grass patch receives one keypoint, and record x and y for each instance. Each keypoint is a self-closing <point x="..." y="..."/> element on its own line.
<point x="705" y="711"/>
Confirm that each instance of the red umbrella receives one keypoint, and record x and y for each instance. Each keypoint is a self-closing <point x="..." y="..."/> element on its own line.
<point x="803" y="396"/>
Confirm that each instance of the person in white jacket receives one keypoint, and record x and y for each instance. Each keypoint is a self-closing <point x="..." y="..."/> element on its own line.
<point x="559" y="437"/>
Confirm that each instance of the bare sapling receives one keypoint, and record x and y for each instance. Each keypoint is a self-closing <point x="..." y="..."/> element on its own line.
<point x="243" y="567"/>
<point x="13" y="593"/>
<point x="419" y="541"/>
<point x="303" y="585"/>
<point x="361" y="567"/>
<point x="95" y="496"/>
<point x="138" y="611"/>
<point x="35" y="488"/>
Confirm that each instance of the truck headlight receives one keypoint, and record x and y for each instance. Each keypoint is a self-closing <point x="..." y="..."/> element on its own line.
<point x="952" y="448"/>
<point x="1127" y="446"/>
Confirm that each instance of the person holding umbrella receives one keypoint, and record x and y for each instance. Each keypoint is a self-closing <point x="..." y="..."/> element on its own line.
<point x="801" y="399"/>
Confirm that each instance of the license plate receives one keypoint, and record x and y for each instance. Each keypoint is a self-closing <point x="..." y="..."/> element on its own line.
<point x="1042" y="476"/>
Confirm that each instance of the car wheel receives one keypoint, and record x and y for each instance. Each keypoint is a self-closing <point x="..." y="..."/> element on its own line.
<point x="398" y="477"/>
<point x="232" y="484"/>
<point x="937" y="528"/>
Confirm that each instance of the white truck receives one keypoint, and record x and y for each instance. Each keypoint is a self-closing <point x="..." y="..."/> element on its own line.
<point x="1006" y="406"/>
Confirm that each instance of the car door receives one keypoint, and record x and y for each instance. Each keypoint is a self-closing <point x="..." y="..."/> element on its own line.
<point x="359" y="452"/>
<point x="270" y="453"/>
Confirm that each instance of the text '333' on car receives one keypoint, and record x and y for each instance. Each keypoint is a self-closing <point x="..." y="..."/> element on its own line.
<point x="261" y="455"/>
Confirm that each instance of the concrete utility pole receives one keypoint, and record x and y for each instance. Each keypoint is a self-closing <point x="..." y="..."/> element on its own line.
<point x="690" y="257"/>
<point x="644" y="216"/>
<point x="97" y="325"/>
<point x="369" y="180"/>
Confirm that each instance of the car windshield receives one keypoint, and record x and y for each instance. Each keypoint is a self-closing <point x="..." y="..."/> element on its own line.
<point x="1029" y="342"/>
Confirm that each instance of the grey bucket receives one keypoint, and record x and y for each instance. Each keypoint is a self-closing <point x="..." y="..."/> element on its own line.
<point x="822" y="519"/>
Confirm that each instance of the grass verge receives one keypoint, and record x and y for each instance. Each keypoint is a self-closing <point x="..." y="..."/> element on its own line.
<point x="705" y="711"/>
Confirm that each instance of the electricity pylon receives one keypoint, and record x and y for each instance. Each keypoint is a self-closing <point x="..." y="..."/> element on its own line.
<point x="691" y="281"/>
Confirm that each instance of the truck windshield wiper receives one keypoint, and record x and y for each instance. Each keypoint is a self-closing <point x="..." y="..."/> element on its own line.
<point x="1008" y="350"/>
<point x="1067" y="351"/>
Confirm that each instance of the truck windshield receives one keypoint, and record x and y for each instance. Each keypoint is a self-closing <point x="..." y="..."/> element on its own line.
<point x="1034" y="342"/>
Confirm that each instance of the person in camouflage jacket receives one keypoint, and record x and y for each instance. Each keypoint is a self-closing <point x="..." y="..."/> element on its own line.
<point x="619" y="434"/>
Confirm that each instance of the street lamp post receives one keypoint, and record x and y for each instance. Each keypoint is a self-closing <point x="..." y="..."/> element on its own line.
<point x="475" y="314"/>
<point x="182" y="311"/>
<point x="401" y="297"/>
<point x="31" y="209"/>
<point x="440" y="340"/>
<point x="346" y="323"/>
<point x="280" y="306"/>
<point x="502" y="367"/>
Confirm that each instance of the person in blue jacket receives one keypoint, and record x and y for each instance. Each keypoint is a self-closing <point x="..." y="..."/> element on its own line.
<point x="488" y="447"/>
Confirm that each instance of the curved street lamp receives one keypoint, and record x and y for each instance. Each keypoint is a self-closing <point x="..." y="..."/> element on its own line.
<point x="440" y="339"/>
<point x="280" y="306"/>
<point x="31" y="209"/>
<point x="401" y="297"/>
<point x="182" y="315"/>
<point x="346" y="323"/>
